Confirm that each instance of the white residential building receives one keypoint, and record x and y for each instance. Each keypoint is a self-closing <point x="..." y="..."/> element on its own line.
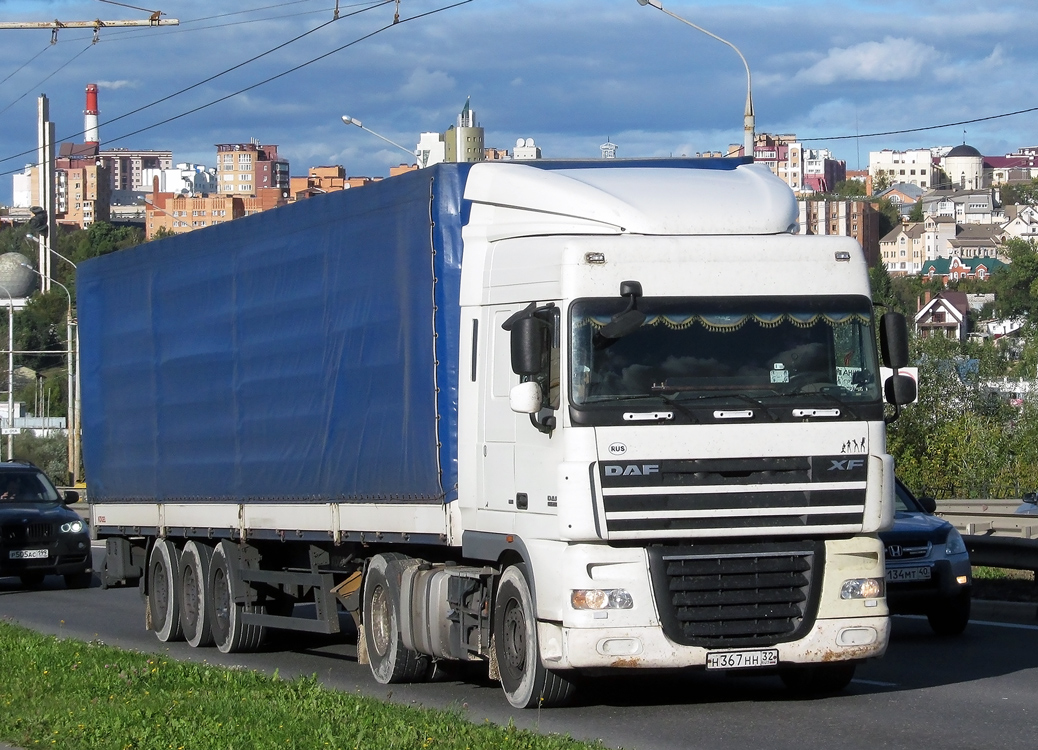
<point x="914" y="166"/>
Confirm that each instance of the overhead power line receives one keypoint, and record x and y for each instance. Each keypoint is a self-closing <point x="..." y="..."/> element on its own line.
<point x="921" y="129"/>
<point x="199" y="83"/>
<point x="396" y="22"/>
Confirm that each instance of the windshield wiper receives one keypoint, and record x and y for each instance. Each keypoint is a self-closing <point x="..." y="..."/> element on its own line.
<point x="662" y="388"/>
<point x="650" y="396"/>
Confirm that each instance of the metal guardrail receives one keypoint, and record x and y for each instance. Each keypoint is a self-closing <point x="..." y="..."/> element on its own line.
<point x="994" y="533"/>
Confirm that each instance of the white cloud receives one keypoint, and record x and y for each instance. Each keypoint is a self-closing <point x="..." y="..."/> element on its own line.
<point x="422" y="84"/>
<point x="117" y="84"/>
<point x="893" y="59"/>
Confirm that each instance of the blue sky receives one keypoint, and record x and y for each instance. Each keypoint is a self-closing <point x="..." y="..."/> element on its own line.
<point x="568" y="73"/>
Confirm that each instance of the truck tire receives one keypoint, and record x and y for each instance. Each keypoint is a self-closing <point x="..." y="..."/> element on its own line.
<point x="818" y="679"/>
<point x="951" y="616"/>
<point x="524" y="678"/>
<point x="163" y="591"/>
<point x="223" y="587"/>
<point x="194" y="606"/>
<point x="389" y="660"/>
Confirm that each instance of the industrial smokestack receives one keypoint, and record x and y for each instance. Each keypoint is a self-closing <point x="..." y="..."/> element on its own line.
<point x="90" y="132"/>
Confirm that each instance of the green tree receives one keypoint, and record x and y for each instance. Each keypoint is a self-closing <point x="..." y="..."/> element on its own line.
<point x="917" y="214"/>
<point x="1016" y="284"/>
<point x="849" y="189"/>
<point x="1020" y="193"/>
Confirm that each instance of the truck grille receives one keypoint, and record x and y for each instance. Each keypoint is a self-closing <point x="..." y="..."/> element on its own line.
<point x="31" y="533"/>
<point x="740" y="496"/>
<point x="734" y="595"/>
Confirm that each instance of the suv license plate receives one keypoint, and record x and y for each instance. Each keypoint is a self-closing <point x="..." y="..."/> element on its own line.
<point x="28" y="554"/>
<point x="767" y="657"/>
<point x="908" y="574"/>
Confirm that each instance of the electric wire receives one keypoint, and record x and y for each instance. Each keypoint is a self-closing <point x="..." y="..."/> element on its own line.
<point x="923" y="129"/>
<point x="14" y="73"/>
<point x="206" y="80"/>
<point x="37" y="85"/>
<point x="395" y="22"/>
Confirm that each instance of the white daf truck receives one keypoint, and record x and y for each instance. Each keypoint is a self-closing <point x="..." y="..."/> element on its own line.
<point x="559" y="417"/>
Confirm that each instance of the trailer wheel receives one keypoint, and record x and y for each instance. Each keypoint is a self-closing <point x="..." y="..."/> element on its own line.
<point x="526" y="681"/>
<point x="390" y="661"/>
<point x="163" y="587"/>
<point x="223" y="588"/>
<point x="194" y="606"/>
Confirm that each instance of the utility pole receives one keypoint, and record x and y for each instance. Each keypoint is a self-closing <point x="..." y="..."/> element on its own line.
<point x="45" y="158"/>
<point x="97" y="24"/>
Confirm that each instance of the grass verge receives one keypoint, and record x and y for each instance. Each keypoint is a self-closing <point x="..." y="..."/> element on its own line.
<point x="69" y="694"/>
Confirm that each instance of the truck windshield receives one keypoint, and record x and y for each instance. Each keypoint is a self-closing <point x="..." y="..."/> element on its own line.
<point x="691" y="349"/>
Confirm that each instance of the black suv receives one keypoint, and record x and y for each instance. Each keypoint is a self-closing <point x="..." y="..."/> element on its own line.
<point x="39" y="535"/>
<point x="928" y="567"/>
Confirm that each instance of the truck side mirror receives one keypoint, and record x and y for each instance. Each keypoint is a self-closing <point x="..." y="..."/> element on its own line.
<point x="527" y="343"/>
<point x="893" y="340"/>
<point x="899" y="390"/>
<point x="526" y="398"/>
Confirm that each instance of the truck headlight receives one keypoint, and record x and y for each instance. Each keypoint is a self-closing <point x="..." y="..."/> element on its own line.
<point x="862" y="588"/>
<point x="601" y="599"/>
<point x="954" y="545"/>
<point x="72" y="527"/>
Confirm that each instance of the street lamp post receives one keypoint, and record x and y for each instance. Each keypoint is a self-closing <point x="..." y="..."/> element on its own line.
<point x="748" y="118"/>
<point x="72" y="420"/>
<point x="352" y="121"/>
<point x="10" y="373"/>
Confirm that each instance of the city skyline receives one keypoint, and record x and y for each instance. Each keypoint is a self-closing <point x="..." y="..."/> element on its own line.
<point x="600" y="70"/>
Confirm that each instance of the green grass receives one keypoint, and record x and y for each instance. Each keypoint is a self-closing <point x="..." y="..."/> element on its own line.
<point x="999" y="574"/>
<point x="69" y="694"/>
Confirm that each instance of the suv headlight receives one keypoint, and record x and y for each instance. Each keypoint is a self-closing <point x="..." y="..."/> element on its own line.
<point x="954" y="545"/>
<point x="72" y="527"/>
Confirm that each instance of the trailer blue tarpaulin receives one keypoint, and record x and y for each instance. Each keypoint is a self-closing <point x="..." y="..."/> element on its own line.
<point x="304" y="354"/>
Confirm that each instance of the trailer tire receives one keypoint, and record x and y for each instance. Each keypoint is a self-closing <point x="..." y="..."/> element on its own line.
<point x="818" y="679"/>
<point x="389" y="660"/>
<point x="163" y="591"/>
<point x="194" y="604"/>
<point x="524" y="678"/>
<point x="224" y="588"/>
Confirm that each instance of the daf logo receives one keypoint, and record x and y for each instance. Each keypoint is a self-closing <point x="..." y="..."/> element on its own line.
<point x="847" y="464"/>
<point x="631" y="470"/>
<point x="895" y="550"/>
<point x="617" y="449"/>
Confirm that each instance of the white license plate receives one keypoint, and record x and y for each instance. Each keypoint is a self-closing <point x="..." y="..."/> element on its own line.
<point x="28" y="554"/>
<point x="908" y="574"/>
<point x="767" y="657"/>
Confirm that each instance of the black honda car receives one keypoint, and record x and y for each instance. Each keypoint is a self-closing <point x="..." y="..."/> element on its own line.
<point x="39" y="534"/>
<point x="928" y="567"/>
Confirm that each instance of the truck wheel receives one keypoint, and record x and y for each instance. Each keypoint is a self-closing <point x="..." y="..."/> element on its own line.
<point x="818" y="679"/>
<point x="194" y="607"/>
<point x="526" y="681"/>
<point x="390" y="661"/>
<point x="223" y="587"/>
<point x="951" y="616"/>
<point x="163" y="585"/>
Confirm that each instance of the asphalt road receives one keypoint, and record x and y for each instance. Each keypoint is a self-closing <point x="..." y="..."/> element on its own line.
<point x="979" y="690"/>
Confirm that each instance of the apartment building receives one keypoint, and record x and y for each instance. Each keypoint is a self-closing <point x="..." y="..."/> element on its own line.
<point x="844" y="218"/>
<point x="245" y="168"/>
<point x="182" y="213"/>
<point x="126" y="166"/>
<point x="915" y="167"/>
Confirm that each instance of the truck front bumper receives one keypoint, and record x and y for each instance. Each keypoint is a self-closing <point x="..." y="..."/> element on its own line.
<point x="845" y="639"/>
